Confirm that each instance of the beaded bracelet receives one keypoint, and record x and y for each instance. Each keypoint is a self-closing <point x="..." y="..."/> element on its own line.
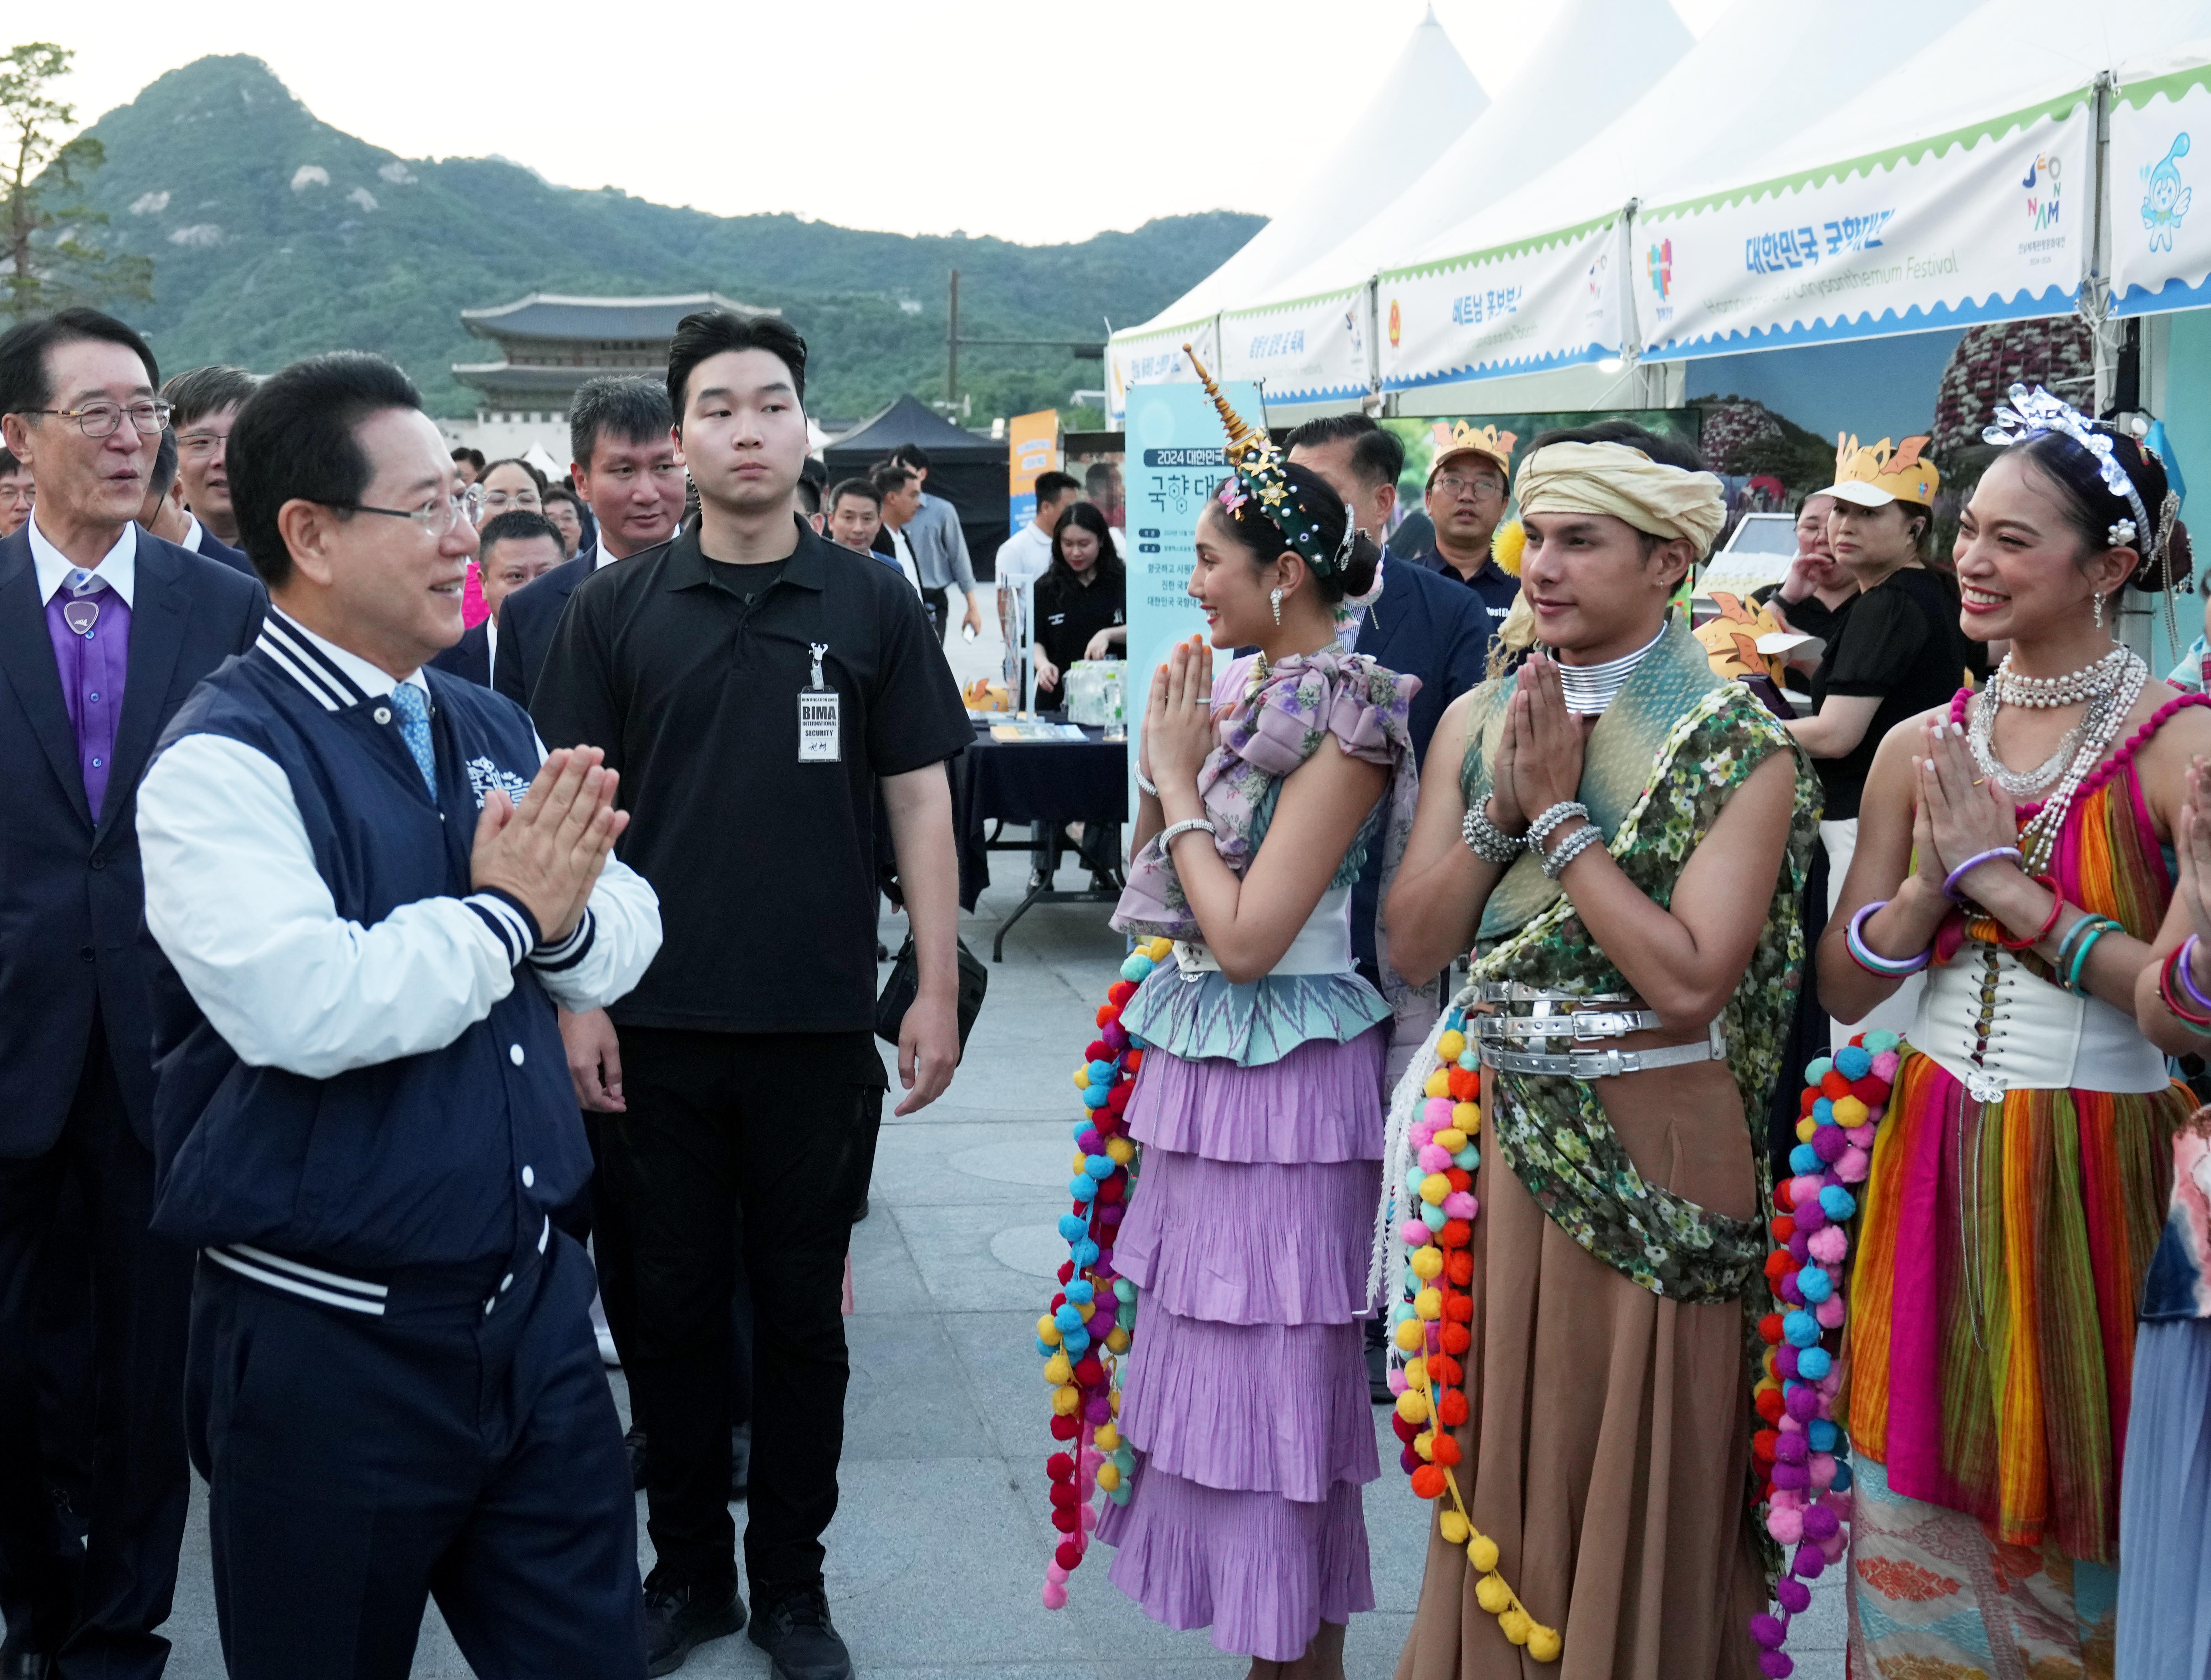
<point x="2182" y="1012"/>
<point x="2057" y="910"/>
<point x="1487" y="842"/>
<point x="1565" y="810"/>
<point x="2187" y="972"/>
<point x="1950" y="881"/>
<point x="2098" y="925"/>
<point x="1572" y="848"/>
<point x="1188" y="825"/>
<point x="1146" y="785"/>
<point x="1889" y="968"/>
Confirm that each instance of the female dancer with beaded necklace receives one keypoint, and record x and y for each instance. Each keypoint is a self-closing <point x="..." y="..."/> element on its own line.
<point x="2018" y="1179"/>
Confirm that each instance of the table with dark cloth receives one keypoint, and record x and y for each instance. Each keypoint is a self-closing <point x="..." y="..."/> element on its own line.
<point x="1024" y="782"/>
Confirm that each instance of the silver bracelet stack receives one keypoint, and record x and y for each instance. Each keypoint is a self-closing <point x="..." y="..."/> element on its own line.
<point x="1188" y="825"/>
<point x="1565" y="811"/>
<point x="1487" y="842"/>
<point x="1572" y="848"/>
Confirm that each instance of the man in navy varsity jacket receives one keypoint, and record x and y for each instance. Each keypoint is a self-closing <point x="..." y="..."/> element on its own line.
<point x="372" y="885"/>
<point x="104" y="630"/>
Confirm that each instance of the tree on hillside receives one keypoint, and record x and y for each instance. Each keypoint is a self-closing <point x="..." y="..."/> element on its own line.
<point x="49" y="263"/>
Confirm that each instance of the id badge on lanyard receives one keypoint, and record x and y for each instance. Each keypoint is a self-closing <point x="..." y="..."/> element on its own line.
<point x="819" y="739"/>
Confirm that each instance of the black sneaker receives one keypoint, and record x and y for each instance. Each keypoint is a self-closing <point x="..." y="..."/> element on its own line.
<point x="678" y="1618"/>
<point x="793" y="1628"/>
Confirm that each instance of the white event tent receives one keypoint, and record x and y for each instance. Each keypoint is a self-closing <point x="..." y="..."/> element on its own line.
<point x="1793" y="180"/>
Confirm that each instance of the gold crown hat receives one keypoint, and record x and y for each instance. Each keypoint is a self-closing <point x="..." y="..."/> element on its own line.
<point x="1458" y="437"/>
<point x="1879" y="473"/>
<point x="1257" y="465"/>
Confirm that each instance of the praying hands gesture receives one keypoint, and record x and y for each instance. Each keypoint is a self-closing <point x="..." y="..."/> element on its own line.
<point x="1541" y="760"/>
<point x="1960" y="813"/>
<point x="1178" y="718"/>
<point x="2191" y="844"/>
<point x="546" y="853"/>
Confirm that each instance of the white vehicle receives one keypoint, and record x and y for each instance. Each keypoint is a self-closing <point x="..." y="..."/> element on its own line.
<point x="1758" y="552"/>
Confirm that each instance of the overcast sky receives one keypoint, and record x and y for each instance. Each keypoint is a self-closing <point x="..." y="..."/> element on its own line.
<point x="1036" y="122"/>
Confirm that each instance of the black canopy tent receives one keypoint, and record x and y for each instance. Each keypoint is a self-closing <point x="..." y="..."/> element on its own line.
<point x="965" y="470"/>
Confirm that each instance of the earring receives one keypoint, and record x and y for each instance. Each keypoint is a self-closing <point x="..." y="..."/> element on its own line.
<point x="1276" y="599"/>
<point x="2098" y="599"/>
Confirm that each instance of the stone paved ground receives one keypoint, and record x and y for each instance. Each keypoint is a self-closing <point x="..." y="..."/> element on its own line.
<point x="938" y="1555"/>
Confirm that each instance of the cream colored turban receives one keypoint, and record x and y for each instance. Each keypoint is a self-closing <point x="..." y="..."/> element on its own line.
<point x="1612" y="478"/>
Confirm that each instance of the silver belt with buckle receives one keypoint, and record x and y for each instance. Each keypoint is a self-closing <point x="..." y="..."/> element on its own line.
<point x="1568" y="1016"/>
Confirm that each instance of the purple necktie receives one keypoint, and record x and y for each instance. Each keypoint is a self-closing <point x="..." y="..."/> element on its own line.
<point x="89" y="624"/>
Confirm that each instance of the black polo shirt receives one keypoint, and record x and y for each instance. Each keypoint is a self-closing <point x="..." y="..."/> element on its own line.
<point x="1497" y="587"/>
<point x="766" y="866"/>
<point x="1069" y="612"/>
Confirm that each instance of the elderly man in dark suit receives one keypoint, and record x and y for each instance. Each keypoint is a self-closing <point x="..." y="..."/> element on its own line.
<point x="104" y="630"/>
<point x="622" y="447"/>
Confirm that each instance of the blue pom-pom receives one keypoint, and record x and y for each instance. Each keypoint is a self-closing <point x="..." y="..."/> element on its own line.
<point x="1399" y="1313"/>
<point x="1139" y="1044"/>
<point x="1072" y="1227"/>
<point x="1045" y="1348"/>
<point x="1801" y="1159"/>
<point x="1881" y="1041"/>
<point x="1093" y="1097"/>
<point x="1815" y="1285"/>
<point x="1081" y="1125"/>
<point x="1077" y="1343"/>
<point x="1841" y="1481"/>
<point x="1100" y="1073"/>
<point x="1470" y="1059"/>
<point x="1467" y="1158"/>
<point x="1123" y="1291"/>
<point x="1811" y="1364"/>
<point x="1821" y="1434"/>
<point x="1068" y="1316"/>
<point x="1122" y="1492"/>
<point x="1837" y="1203"/>
<point x="1083" y="1188"/>
<point x="1818" y="1069"/>
<point x="1099" y="1166"/>
<point x="1136" y="967"/>
<point x="1083" y="1253"/>
<point x="1853" y="1062"/>
<point x="1823" y="1112"/>
<point x="1799" y="1330"/>
<point x="1433" y="1217"/>
<point x="1081" y="1292"/>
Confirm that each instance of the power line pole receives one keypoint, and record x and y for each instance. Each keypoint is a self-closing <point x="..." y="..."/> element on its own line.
<point x="952" y="349"/>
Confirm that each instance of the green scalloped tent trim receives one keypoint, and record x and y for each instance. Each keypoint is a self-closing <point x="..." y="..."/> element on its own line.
<point x="1253" y="313"/>
<point x="1130" y="335"/>
<point x="2173" y="87"/>
<point x="1499" y="253"/>
<point x="1994" y="128"/>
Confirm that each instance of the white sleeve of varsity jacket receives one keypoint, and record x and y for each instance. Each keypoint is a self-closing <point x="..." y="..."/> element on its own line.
<point x="235" y="901"/>
<point x="612" y="944"/>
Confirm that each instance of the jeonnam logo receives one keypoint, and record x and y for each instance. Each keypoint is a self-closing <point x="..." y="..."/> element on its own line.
<point x="1396" y="324"/>
<point x="2043" y="192"/>
<point x="2165" y="200"/>
<point x="1659" y="266"/>
<point x="484" y="774"/>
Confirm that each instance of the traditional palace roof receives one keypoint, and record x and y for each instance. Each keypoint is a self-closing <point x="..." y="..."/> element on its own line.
<point x="545" y="315"/>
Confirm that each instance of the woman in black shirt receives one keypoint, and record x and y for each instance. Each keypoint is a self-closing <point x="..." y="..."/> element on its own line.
<point x="1081" y="603"/>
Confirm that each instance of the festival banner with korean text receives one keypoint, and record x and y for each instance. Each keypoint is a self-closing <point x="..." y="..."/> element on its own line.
<point x="1989" y="222"/>
<point x="1174" y="463"/>
<point x="1157" y="358"/>
<point x="2160" y="237"/>
<point x="1549" y="302"/>
<point x="1031" y="447"/>
<point x="1312" y="350"/>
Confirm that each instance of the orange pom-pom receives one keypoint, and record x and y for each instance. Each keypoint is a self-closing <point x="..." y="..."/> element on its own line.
<point x="1784" y="1198"/>
<point x="1779" y="1265"/>
<point x="1784" y="1227"/>
<point x="1834" y="1086"/>
<point x="1459" y="1268"/>
<point x="1769" y="1405"/>
<point x="1443" y="1369"/>
<point x="1764" y="1444"/>
<point x="1446" y="1451"/>
<point x="1456" y="1339"/>
<point x="1459" y="1178"/>
<point x="1133" y="1061"/>
<point x="1108" y="1014"/>
<point x="1769" y="1328"/>
<point x="1451" y="1409"/>
<point x="1429" y="1482"/>
<point x="1459" y="1308"/>
<point x="1120" y="991"/>
<point x="1456" y="1234"/>
<point x="1465" y="1084"/>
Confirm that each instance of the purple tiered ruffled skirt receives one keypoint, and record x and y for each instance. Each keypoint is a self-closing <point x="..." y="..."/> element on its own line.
<point x="1245" y="1393"/>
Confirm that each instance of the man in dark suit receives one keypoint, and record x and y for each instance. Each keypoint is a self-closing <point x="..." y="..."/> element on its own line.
<point x="626" y="468"/>
<point x="204" y="402"/>
<point x="103" y="630"/>
<point x="165" y="514"/>
<point x="519" y="547"/>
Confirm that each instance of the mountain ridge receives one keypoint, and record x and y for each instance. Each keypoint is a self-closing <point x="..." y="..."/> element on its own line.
<point x="274" y="234"/>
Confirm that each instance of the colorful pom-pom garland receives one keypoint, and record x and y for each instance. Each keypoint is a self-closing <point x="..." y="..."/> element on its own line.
<point x="1090" y="1320"/>
<point x="1800" y="1450"/>
<point x="1430" y="1325"/>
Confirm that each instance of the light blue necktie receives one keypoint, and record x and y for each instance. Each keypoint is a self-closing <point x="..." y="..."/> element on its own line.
<point x="413" y="709"/>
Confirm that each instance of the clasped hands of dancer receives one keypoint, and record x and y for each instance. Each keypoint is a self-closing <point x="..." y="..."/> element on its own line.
<point x="547" y="851"/>
<point x="1539" y="761"/>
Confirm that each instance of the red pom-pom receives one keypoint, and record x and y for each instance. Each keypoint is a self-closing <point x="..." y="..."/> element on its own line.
<point x="1113" y="1188"/>
<point x="1088" y="1372"/>
<point x="1059" y="1300"/>
<point x="1858" y="1039"/>
<point x="1833" y="1086"/>
<point x="1064" y="1520"/>
<point x="1779" y="1266"/>
<point x="1119" y="992"/>
<point x="1445" y="1369"/>
<point x="1871" y="1091"/>
<point x="1099" y="1050"/>
<point x="1768" y="1404"/>
<point x="1451" y="1410"/>
<point x="1060" y="1466"/>
<point x="1456" y="1339"/>
<point x="1404" y="1432"/>
<point x="1785" y="1199"/>
<point x="1118" y="1098"/>
<point x="1763" y="1444"/>
<point x="1069" y="1554"/>
<point x="1769" y="1328"/>
<point x="1460" y="1178"/>
<point x="1427" y="1483"/>
<point x="1108" y="1014"/>
<point x="1459" y="1308"/>
<point x="1465" y="1084"/>
<point x="1784" y="1226"/>
<point x="1811" y="1096"/>
<point x="1446" y="1452"/>
<point x="1064" y="1429"/>
<point x="1459" y="1267"/>
<point x="1456" y="1234"/>
<point x="1066" y="1276"/>
<point x="1064" y="1495"/>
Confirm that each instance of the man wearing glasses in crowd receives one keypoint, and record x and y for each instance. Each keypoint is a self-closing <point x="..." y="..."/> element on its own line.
<point x="202" y="406"/>
<point x="104" y="630"/>
<point x="1468" y="485"/>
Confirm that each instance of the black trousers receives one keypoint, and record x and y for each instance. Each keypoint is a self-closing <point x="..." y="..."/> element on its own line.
<point x="783" y="1126"/>
<point x="97" y="1607"/>
<point x="357" y="1465"/>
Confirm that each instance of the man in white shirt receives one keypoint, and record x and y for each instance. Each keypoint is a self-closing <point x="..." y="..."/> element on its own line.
<point x="899" y="491"/>
<point x="939" y="546"/>
<point x="1026" y="555"/>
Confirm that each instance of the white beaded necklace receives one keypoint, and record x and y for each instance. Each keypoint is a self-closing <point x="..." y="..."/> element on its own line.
<point x="1590" y="688"/>
<point x="2118" y="678"/>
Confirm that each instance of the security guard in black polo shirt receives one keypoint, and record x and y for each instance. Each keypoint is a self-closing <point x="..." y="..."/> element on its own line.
<point x="370" y="893"/>
<point x="754" y="685"/>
